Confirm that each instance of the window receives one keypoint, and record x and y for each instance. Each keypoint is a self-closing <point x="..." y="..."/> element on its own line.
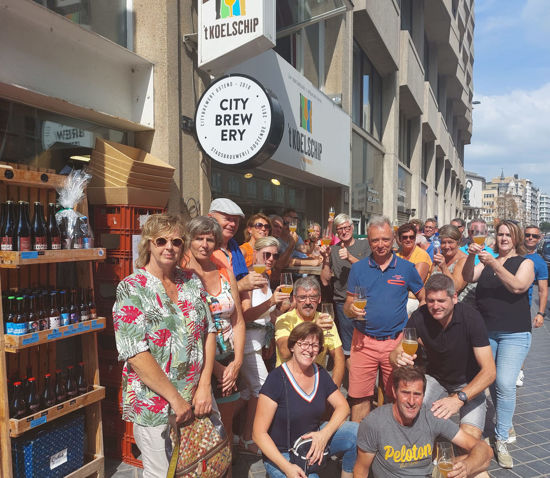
<point x="367" y="174"/>
<point x="427" y="148"/>
<point x="403" y="189"/>
<point x="407" y="15"/>
<point x="367" y="94"/>
<point x="405" y="140"/>
<point x="426" y="59"/>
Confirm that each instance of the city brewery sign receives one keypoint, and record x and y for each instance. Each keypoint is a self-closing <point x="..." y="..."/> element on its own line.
<point x="238" y="122"/>
<point x="232" y="31"/>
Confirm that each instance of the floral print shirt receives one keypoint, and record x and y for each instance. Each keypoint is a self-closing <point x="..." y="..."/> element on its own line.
<point x="145" y="319"/>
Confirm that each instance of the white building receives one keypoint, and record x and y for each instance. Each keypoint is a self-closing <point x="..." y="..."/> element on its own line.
<point x="544" y="208"/>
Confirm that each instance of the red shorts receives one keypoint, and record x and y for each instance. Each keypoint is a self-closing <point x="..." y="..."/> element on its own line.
<point x="366" y="357"/>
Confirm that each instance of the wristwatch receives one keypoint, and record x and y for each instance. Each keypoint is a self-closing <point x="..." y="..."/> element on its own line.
<point x="542" y="314"/>
<point x="462" y="396"/>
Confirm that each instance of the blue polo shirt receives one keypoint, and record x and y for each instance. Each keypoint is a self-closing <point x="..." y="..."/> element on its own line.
<point x="486" y="248"/>
<point x="387" y="293"/>
<point x="541" y="271"/>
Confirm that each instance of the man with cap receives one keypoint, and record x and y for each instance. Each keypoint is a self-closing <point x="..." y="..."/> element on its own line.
<point x="228" y="214"/>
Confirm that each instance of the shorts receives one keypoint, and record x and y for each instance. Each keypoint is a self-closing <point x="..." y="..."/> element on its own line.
<point x="218" y="397"/>
<point x="367" y="356"/>
<point x="253" y="374"/>
<point x="471" y="413"/>
<point x="345" y="328"/>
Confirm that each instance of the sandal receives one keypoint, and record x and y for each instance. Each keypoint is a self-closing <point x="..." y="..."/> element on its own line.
<point x="244" y="447"/>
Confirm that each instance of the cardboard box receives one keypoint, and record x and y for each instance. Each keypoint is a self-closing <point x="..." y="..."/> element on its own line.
<point x="127" y="196"/>
<point x="108" y="177"/>
<point x="110" y="167"/>
<point x="131" y="159"/>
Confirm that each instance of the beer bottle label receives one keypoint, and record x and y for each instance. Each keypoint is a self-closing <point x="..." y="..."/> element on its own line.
<point x="93" y="314"/>
<point x="9" y="328"/>
<point x="55" y="322"/>
<point x="77" y="244"/>
<point x="24" y="243"/>
<point x="65" y="319"/>
<point x="56" y="243"/>
<point x="7" y="243"/>
<point x="43" y="324"/>
<point x="86" y="243"/>
<point x="73" y="318"/>
<point x="19" y="329"/>
<point x="40" y="243"/>
<point x="33" y="326"/>
<point x="66" y="244"/>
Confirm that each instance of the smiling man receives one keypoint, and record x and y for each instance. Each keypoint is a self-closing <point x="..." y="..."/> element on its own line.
<point x="397" y="439"/>
<point x="460" y="363"/>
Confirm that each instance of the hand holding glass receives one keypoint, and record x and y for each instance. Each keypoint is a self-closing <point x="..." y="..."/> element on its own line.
<point x="327" y="236"/>
<point x="410" y="341"/>
<point x="360" y="299"/>
<point x="287" y="284"/>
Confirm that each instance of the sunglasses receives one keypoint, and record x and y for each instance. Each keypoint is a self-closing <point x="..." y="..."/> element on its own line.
<point x="162" y="241"/>
<point x="534" y="236"/>
<point x="259" y="225"/>
<point x="408" y="238"/>
<point x="343" y="229"/>
<point x="267" y="256"/>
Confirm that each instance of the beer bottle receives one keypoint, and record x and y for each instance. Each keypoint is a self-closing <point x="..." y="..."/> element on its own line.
<point x="48" y="395"/>
<point x="81" y="384"/>
<point x="33" y="400"/>
<point x="83" y="307"/>
<point x="54" y="234"/>
<point x="91" y="304"/>
<point x="10" y="314"/>
<point x="3" y="215"/>
<point x="23" y="231"/>
<point x="72" y="390"/>
<point x="54" y="319"/>
<point x="43" y="316"/>
<point x="78" y="236"/>
<point x="18" y="406"/>
<point x="8" y="227"/>
<point x="87" y="234"/>
<point x="66" y="240"/>
<point x="38" y="229"/>
<point x="74" y="314"/>
<point x="64" y="311"/>
<point x="21" y="319"/>
<point x="60" y="388"/>
<point x="34" y="320"/>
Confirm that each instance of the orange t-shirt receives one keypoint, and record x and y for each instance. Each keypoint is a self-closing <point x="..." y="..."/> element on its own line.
<point x="248" y="253"/>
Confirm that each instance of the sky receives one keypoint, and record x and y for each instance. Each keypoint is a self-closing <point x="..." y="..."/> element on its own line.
<point x="511" y="125"/>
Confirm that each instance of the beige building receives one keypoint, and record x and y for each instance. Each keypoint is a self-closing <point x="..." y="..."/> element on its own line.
<point x="393" y="79"/>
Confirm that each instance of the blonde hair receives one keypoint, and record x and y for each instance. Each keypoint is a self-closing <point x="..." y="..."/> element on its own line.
<point x="156" y="225"/>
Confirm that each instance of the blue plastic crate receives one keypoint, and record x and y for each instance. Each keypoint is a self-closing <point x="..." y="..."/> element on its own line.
<point x="52" y="452"/>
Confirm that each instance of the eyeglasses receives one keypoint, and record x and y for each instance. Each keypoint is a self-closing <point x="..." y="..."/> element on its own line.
<point x="162" y="241"/>
<point x="260" y="225"/>
<point x="534" y="236"/>
<point x="343" y="228"/>
<point x="408" y="238"/>
<point x="267" y="255"/>
<point x="308" y="345"/>
<point x="303" y="298"/>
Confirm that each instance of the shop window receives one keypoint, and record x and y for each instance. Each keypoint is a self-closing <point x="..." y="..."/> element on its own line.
<point x="36" y="137"/>
<point x="233" y="185"/>
<point x="279" y="195"/>
<point x="216" y="182"/>
<point x="266" y="192"/>
<point x="367" y="94"/>
<point x="251" y="189"/>
<point x="109" y="18"/>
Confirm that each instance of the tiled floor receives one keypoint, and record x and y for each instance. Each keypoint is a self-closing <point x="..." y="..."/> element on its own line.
<point x="531" y="452"/>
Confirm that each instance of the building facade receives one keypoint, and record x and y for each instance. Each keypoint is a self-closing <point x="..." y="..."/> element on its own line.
<point x="473" y="198"/>
<point x="544" y="208"/>
<point x="392" y="81"/>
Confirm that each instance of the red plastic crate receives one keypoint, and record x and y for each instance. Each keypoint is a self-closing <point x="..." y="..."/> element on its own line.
<point x="121" y="218"/>
<point x="116" y="241"/>
<point x="114" y="268"/>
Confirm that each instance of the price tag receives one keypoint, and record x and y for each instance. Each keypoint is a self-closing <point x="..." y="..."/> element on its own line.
<point x="29" y="255"/>
<point x="31" y="339"/>
<point x="73" y="329"/>
<point x="84" y="326"/>
<point x="97" y="325"/>
<point x="58" y="459"/>
<point x="39" y="421"/>
<point x="54" y="334"/>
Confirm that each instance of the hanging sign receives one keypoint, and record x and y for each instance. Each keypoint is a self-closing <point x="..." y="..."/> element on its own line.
<point x="238" y="122"/>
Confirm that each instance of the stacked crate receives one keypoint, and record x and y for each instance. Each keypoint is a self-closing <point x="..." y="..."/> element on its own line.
<point x="113" y="228"/>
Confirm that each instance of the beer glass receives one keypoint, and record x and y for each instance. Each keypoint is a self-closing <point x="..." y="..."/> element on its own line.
<point x="287" y="284"/>
<point x="327" y="308"/>
<point x="410" y="341"/>
<point x="331" y="212"/>
<point x="327" y="236"/>
<point x="360" y="299"/>
<point x="445" y="458"/>
<point x="292" y="225"/>
<point x="479" y="235"/>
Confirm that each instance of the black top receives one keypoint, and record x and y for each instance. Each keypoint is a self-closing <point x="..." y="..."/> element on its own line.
<point x="502" y="310"/>
<point x="449" y="351"/>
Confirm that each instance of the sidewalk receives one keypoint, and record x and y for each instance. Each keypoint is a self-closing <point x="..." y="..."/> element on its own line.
<point x="531" y="452"/>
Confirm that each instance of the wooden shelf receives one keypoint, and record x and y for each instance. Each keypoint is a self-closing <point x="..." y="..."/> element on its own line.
<point x="16" y="259"/>
<point x="15" y="343"/>
<point x="28" y="177"/>
<point x="94" y="466"/>
<point x="18" y="427"/>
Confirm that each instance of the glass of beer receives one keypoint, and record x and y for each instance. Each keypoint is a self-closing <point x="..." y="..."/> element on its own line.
<point x="327" y="236"/>
<point x="259" y="268"/>
<point x="445" y="457"/>
<point x="327" y="308"/>
<point x="287" y="284"/>
<point x="479" y="235"/>
<point x="331" y="212"/>
<point x="293" y="224"/>
<point x="410" y="341"/>
<point x="310" y="228"/>
<point x="360" y="299"/>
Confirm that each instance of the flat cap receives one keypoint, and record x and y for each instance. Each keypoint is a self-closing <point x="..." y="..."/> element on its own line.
<point x="226" y="206"/>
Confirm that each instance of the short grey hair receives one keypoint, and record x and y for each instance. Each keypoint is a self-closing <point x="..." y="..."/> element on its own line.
<point x="204" y="225"/>
<point x="275" y="217"/>
<point x="438" y="282"/>
<point x="477" y="221"/>
<point x="378" y="221"/>
<point x="267" y="241"/>
<point x="308" y="283"/>
<point x="341" y="219"/>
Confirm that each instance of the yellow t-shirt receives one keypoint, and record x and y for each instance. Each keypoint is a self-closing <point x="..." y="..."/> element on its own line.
<point x="418" y="255"/>
<point x="286" y="322"/>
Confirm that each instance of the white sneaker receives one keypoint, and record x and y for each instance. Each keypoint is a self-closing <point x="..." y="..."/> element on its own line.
<point x="519" y="381"/>
<point x="503" y="455"/>
<point x="512" y="437"/>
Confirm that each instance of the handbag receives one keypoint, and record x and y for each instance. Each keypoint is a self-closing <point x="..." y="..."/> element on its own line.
<point x="200" y="448"/>
<point x="301" y="446"/>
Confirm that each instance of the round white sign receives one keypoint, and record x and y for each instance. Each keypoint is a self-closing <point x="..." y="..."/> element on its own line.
<point x="236" y="121"/>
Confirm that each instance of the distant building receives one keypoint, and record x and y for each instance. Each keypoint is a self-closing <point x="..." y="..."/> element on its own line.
<point x="544" y="208"/>
<point x="472" y="200"/>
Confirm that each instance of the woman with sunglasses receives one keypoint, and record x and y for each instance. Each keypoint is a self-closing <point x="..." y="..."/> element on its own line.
<point x="450" y="260"/>
<point x="502" y="298"/>
<point x="257" y="226"/>
<point x="261" y="308"/>
<point x="410" y="251"/>
<point x="204" y="235"/>
<point x="165" y="334"/>
<point x="291" y="405"/>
